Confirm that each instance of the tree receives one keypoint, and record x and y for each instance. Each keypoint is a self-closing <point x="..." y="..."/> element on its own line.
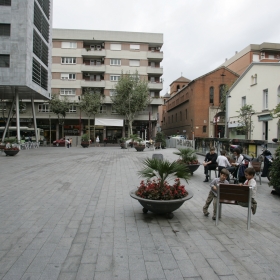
<point x="59" y="107"/>
<point x="131" y="96"/>
<point x="223" y="99"/>
<point x="245" y="121"/>
<point x="90" y="103"/>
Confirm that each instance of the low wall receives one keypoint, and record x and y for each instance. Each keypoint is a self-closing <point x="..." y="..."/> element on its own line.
<point x="179" y="143"/>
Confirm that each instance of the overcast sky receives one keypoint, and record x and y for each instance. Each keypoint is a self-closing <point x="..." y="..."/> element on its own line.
<point x="198" y="34"/>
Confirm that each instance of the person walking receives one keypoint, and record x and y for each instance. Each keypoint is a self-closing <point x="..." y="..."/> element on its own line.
<point x="97" y="141"/>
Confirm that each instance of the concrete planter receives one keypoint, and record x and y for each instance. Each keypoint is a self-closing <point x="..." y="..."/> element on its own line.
<point x="192" y="167"/>
<point x="139" y="148"/>
<point x="11" y="152"/>
<point x="161" y="206"/>
<point x="85" y="144"/>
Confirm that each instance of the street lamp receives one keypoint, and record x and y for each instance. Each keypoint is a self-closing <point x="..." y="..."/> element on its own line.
<point x="226" y="119"/>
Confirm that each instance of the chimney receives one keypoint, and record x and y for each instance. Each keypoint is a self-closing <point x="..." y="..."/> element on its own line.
<point x="236" y="52"/>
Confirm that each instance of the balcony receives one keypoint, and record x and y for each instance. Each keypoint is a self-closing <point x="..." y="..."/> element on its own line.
<point x="93" y="68"/>
<point x="157" y="86"/>
<point x="93" y="53"/>
<point x="155" y="55"/>
<point x="154" y="70"/>
<point x="88" y="83"/>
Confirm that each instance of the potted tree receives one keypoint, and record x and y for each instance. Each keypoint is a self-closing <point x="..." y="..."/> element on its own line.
<point x="275" y="173"/>
<point x="138" y="143"/>
<point x="158" y="195"/>
<point x="160" y="138"/>
<point x="85" y="140"/>
<point x="188" y="158"/>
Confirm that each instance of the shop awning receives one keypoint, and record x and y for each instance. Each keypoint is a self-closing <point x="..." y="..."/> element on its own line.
<point x="109" y="122"/>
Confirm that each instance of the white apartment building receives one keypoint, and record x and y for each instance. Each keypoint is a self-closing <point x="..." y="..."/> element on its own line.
<point x="25" y="57"/>
<point x="95" y="59"/>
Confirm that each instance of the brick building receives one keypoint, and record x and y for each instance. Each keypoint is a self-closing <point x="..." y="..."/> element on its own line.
<point x="192" y="108"/>
<point x="265" y="52"/>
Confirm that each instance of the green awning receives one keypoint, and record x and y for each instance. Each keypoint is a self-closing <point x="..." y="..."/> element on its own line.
<point x="266" y="117"/>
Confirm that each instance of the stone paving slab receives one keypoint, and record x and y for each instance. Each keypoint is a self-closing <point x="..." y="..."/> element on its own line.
<point x="67" y="214"/>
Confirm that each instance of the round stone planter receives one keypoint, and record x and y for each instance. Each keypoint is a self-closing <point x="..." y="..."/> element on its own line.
<point x="11" y="152"/>
<point x="161" y="206"/>
<point x="139" y="148"/>
<point x="192" y="167"/>
<point x="84" y="144"/>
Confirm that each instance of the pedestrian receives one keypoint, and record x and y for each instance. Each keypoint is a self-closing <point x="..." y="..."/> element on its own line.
<point x="250" y="174"/>
<point x="209" y="163"/>
<point x="212" y="196"/>
<point x="222" y="162"/>
<point x="67" y="143"/>
<point x="97" y="141"/>
<point x="70" y="142"/>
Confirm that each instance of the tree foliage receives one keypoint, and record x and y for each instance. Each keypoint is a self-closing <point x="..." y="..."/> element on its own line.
<point x="275" y="171"/>
<point x="59" y="106"/>
<point x="245" y="119"/>
<point x="90" y="103"/>
<point x="223" y="100"/>
<point x="276" y="112"/>
<point x="131" y="96"/>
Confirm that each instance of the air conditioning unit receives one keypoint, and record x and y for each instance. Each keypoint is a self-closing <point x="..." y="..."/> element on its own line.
<point x="98" y="47"/>
<point x="87" y="74"/>
<point x="158" y="48"/>
<point x="92" y="47"/>
<point x="152" y="49"/>
<point x="103" y="44"/>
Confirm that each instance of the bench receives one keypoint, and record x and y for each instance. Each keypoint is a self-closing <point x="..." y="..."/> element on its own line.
<point x="231" y="194"/>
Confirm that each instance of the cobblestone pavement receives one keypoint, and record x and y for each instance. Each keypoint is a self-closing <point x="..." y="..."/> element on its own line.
<point x="67" y="214"/>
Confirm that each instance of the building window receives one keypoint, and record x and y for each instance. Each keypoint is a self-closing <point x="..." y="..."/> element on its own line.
<point x="39" y="74"/>
<point x="68" y="60"/>
<point x="271" y="56"/>
<point x="135" y="47"/>
<point x="152" y="80"/>
<point x="72" y="109"/>
<point x="114" y="61"/>
<point x="186" y="114"/>
<point x="221" y="92"/>
<point x="40" y="48"/>
<point x="5" y="29"/>
<point x="113" y="110"/>
<point x="134" y="62"/>
<point x="169" y="119"/>
<point x="69" y="45"/>
<point x="3" y="106"/>
<point x="253" y="79"/>
<point x="112" y="92"/>
<point x="68" y="76"/>
<point x="204" y="128"/>
<point x="103" y="109"/>
<point x="116" y="47"/>
<point x="115" y="78"/>
<point x="243" y="101"/>
<point x="152" y="94"/>
<point x="256" y="57"/>
<point x="5" y="2"/>
<point x="67" y="91"/>
<point x="178" y="87"/>
<point x="172" y="118"/>
<point x="44" y="108"/>
<point x="163" y="119"/>
<point x="265" y="99"/>
<point x="40" y="21"/>
<point x="180" y="116"/>
<point x="176" y="117"/>
<point x="153" y="64"/>
<point x="211" y="95"/>
<point x="4" y="60"/>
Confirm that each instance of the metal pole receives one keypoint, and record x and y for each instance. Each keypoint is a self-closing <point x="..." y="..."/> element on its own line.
<point x="50" y="130"/>
<point x="17" y="116"/>
<point x="226" y="119"/>
<point x="34" y="119"/>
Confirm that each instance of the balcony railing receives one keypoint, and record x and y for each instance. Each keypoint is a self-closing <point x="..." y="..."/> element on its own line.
<point x="89" y="83"/>
<point x="93" y="53"/>
<point x="155" y="55"/>
<point x="93" y="68"/>
<point x="154" y="70"/>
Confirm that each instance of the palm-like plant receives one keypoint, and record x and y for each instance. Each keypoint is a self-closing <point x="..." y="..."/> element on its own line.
<point x="187" y="155"/>
<point x="164" y="170"/>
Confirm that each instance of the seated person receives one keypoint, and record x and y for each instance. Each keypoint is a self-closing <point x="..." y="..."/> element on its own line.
<point x="238" y="160"/>
<point x="209" y="163"/>
<point x="222" y="161"/>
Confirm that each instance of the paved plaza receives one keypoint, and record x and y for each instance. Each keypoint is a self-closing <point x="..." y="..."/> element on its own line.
<point x="67" y="214"/>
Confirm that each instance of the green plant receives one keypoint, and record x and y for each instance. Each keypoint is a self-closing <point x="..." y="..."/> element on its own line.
<point x="163" y="170"/>
<point x="275" y="171"/>
<point x="85" y="137"/>
<point x="160" y="137"/>
<point x="187" y="155"/>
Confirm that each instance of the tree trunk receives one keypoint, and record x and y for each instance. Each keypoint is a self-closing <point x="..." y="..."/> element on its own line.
<point x="129" y="128"/>
<point x="89" y="128"/>
<point x="94" y="129"/>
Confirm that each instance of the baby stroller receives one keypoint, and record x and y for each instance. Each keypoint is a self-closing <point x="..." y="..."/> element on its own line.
<point x="238" y="174"/>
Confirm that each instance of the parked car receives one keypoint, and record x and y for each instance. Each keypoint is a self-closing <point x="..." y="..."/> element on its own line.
<point x="60" y="142"/>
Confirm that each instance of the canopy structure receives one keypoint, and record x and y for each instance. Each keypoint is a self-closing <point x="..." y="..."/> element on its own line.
<point x="109" y="122"/>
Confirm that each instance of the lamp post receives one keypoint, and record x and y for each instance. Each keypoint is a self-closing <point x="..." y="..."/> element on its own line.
<point x="226" y="119"/>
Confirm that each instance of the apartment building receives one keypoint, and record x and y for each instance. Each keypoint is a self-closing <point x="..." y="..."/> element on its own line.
<point x="95" y="59"/>
<point x="25" y="57"/>
<point x="265" y="52"/>
<point x="194" y="105"/>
